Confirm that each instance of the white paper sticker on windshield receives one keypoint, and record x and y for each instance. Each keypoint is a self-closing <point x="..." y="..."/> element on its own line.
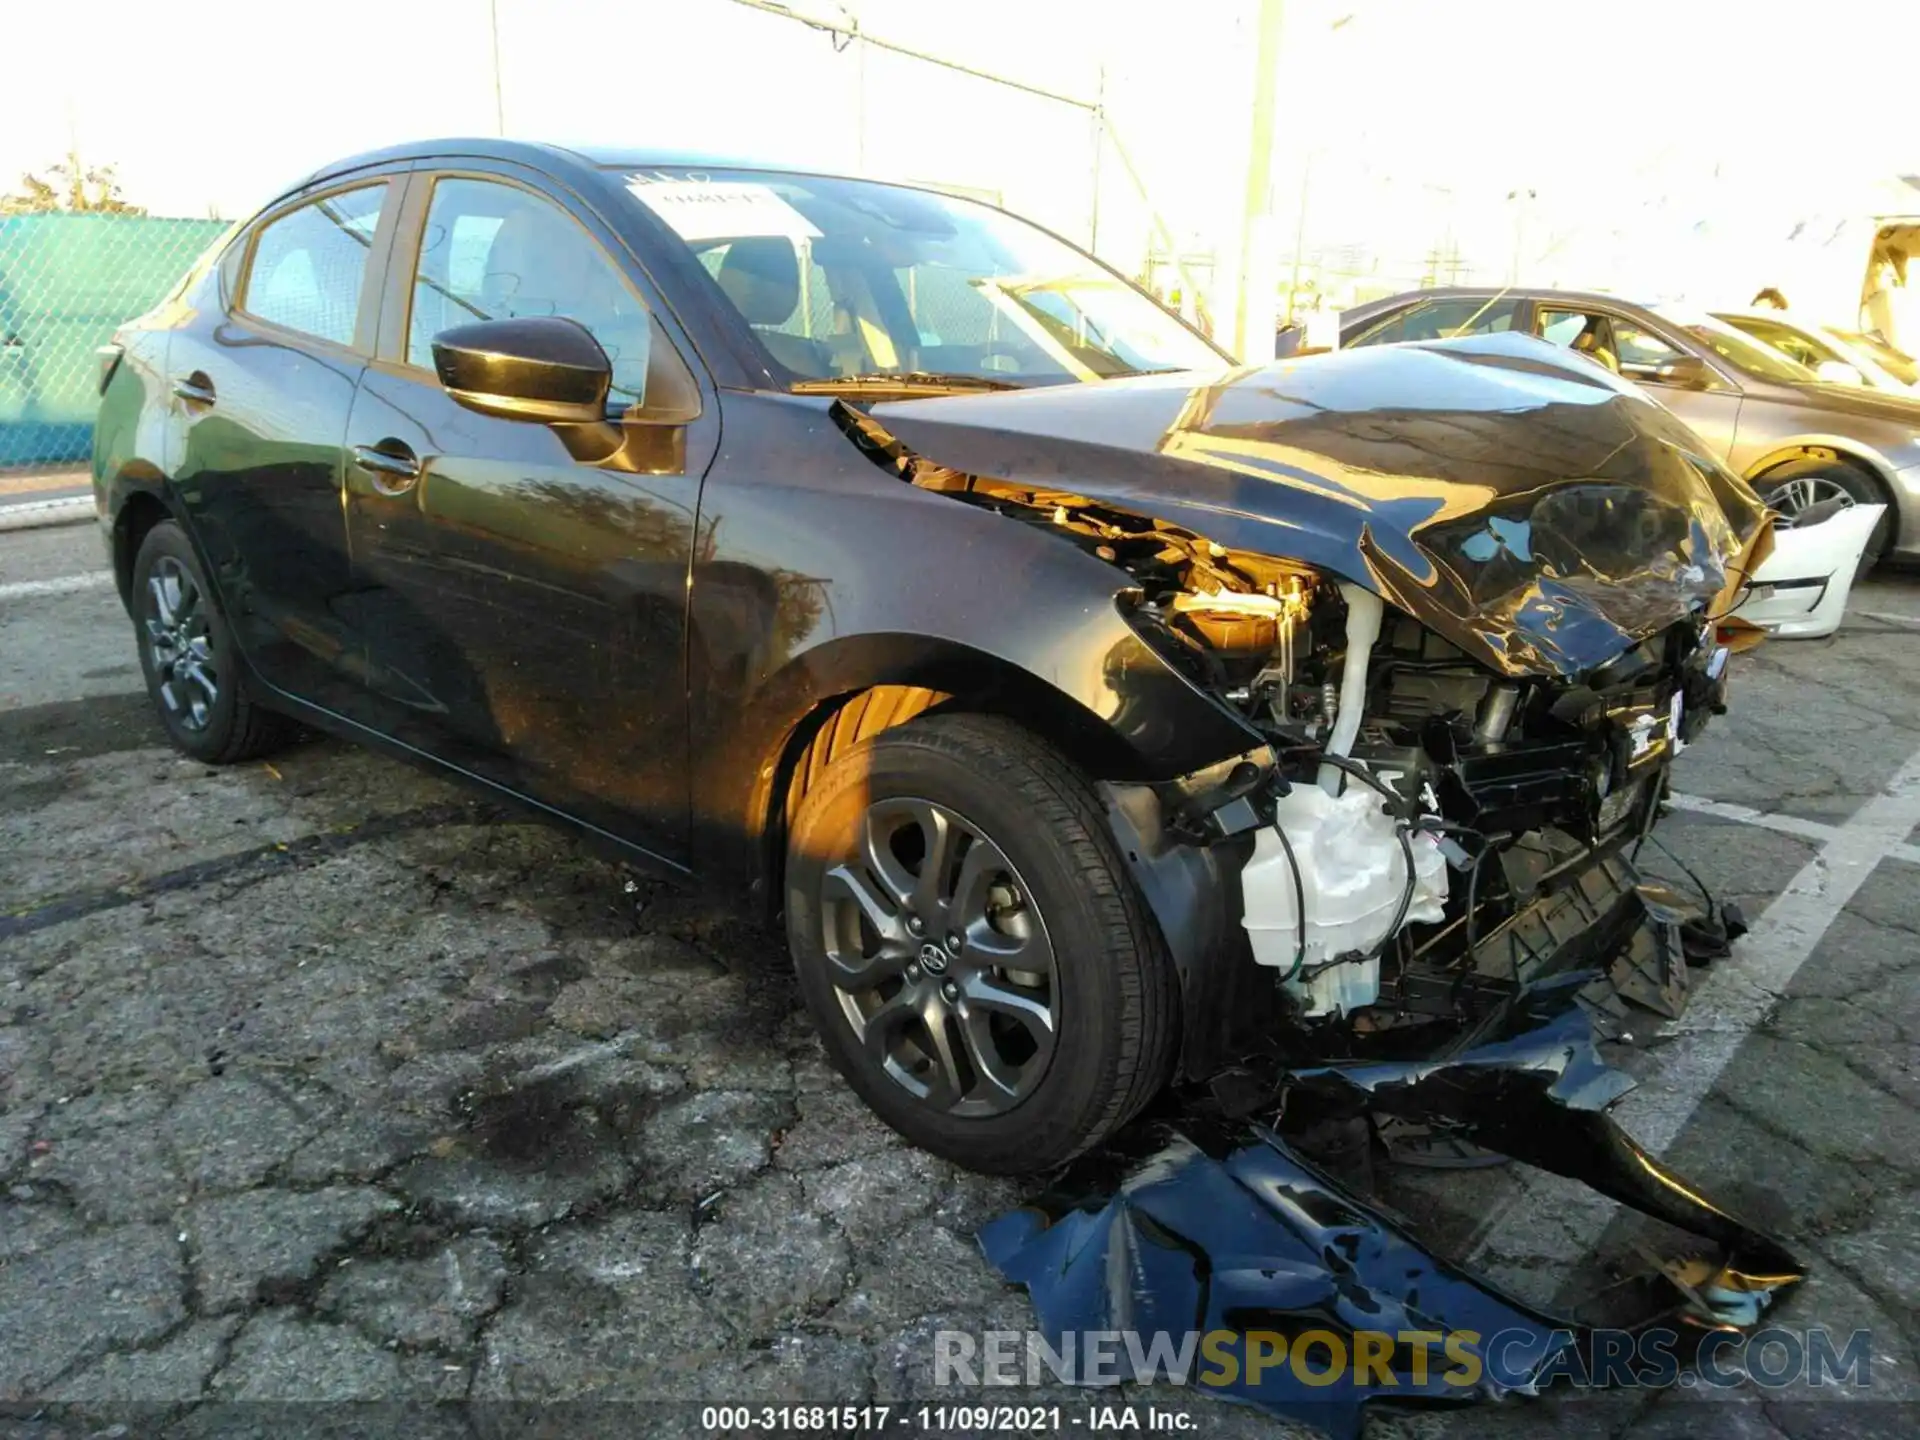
<point x="720" y="210"/>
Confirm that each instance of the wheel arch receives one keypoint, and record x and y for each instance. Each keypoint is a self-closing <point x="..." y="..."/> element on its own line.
<point x="1831" y="449"/>
<point x="871" y="695"/>
<point x="139" y="501"/>
<point x="1836" y="450"/>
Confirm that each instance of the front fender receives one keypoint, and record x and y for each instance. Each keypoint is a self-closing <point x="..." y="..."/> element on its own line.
<point x="1800" y="446"/>
<point x="819" y="578"/>
<point x="1087" y="682"/>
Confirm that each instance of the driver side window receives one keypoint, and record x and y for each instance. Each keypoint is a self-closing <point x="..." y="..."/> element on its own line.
<point x="1585" y="332"/>
<point x="492" y="251"/>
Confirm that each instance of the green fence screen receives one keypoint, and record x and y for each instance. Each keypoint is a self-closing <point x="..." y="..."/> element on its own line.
<point x="66" y="283"/>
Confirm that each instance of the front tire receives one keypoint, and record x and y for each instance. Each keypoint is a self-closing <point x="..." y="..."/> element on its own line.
<point x="187" y="654"/>
<point x="980" y="965"/>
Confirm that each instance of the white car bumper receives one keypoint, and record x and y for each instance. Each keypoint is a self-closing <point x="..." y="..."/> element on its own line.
<point x="1800" y="591"/>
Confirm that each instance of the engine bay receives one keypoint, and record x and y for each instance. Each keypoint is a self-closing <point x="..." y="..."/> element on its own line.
<point x="1419" y="805"/>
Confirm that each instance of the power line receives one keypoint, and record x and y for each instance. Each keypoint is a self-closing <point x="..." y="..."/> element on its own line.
<point x="850" y="31"/>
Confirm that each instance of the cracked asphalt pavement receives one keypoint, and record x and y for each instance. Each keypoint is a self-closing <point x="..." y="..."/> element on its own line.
<point x="321" y="1080"/>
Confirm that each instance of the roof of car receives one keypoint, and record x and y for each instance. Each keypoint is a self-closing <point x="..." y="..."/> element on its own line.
<point x="625" y="157"/>
<point x="546" y="154"/>
<point x="1488" y="292"/>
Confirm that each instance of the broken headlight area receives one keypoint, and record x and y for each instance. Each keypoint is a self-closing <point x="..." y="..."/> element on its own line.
<point x="1235" y="1232"/>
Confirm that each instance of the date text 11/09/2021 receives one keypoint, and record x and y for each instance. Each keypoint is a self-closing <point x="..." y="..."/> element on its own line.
<point x="942" y="1419"/>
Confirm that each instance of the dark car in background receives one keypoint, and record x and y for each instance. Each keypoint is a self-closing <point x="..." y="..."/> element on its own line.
<point x="880" y="554"/>
<point x="1798" y="441"/>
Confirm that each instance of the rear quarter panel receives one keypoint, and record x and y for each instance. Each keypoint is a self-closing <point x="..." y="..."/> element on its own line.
<point x="134" y="433"/>
<point x="1773" y="433"/>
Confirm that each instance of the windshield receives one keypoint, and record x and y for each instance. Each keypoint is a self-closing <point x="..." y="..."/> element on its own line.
<point x="841" y="278"/>
<point x="1896" y="363"/>
<point x="1801" y="346"/>
<point x="1740" y="352"/>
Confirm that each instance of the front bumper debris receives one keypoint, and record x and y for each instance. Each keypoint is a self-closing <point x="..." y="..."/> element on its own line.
<point x="1231" y="1231"/>
<point x="1801" y="592"/>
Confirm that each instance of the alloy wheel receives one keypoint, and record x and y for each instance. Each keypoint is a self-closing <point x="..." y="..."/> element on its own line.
<point x="940" y="960"/>
<point x="179" y="645"/>
<point x="1795" y="497"/>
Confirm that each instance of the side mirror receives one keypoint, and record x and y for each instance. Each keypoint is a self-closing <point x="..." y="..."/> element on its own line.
<point x="1838" y="372"/>
<point x="1689" y="372"/>
<point x="542" y="368"/>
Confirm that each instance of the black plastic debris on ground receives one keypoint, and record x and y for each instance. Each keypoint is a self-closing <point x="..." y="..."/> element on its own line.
<point x="1230" y="1233"/>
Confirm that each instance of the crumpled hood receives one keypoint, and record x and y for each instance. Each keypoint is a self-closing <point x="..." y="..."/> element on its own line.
<point x="1535" y="510"/>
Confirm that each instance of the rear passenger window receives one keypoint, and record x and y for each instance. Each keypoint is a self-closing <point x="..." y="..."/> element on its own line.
<point x="310" y="265"/>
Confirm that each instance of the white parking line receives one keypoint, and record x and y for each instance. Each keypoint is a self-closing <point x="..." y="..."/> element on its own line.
<point x="1565" y="1219"/>
<point x="61" y="585"/>
<point x="1774" y="820"/>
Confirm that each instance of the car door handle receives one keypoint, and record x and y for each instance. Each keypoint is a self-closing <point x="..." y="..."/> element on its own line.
<point x="195" y="389"/>
<point x="393" y="470"/>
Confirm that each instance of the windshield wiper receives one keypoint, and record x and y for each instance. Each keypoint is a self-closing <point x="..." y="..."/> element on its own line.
<point x="902" y="380"/>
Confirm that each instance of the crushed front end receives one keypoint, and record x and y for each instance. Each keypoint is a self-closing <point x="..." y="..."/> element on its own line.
<point x="1471" y="598"/>
<point x="1467" y="601"/>
<point x="1432" y="836"/>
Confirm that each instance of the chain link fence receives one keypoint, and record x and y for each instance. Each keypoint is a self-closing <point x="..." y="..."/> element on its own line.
<point x="67" y="281"/>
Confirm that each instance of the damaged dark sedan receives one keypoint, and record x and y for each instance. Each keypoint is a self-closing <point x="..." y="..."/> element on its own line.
<point x="1098" y="714"/>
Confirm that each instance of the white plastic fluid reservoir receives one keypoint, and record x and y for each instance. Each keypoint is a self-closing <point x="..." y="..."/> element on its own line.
<point x="1352" y="874"/>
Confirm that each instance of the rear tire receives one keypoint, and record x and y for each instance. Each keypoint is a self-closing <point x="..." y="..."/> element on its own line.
<point x="193" y="671"/>
<point x="1799" y="484"/>
<point x="1061" y="928"/>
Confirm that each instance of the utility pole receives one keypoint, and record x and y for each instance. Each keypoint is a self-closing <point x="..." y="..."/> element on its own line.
<point x="1306" y="188"/>
<point x="846" y="31"/>
<point x="859" y="89"/>
<point x="499" y="98"/>
<point x="1098" y="117"/>
<point x="1255" y="270"/>
<point x="1520" y="199"/>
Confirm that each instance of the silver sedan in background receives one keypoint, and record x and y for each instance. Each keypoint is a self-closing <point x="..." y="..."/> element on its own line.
<point x="1804" y="444"/>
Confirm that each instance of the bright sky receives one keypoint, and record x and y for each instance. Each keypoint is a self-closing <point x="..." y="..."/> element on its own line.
<point x="1417" y="116"/>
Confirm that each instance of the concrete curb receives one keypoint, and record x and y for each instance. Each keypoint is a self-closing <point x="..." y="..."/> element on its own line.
<point x="37" y="513"/>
